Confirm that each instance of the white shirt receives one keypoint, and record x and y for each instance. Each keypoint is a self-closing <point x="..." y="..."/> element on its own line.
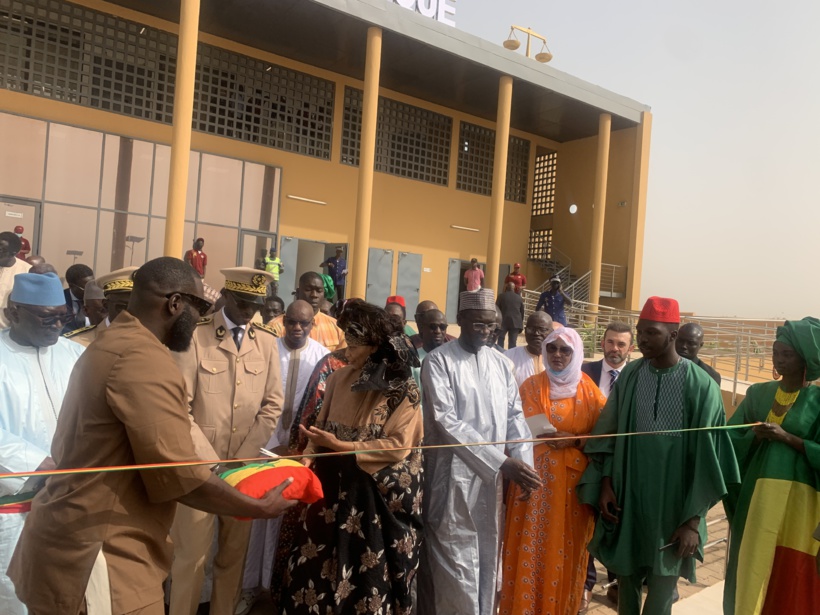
<point x="231" y="325"/>
<point x="308" y="356"/>
<point x="525" y="364"/>
<point x="606" y="376"/>
<point x="33" y="382"/>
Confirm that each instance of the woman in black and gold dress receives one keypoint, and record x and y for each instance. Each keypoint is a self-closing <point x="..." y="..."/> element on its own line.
<point x="357" y="549"/>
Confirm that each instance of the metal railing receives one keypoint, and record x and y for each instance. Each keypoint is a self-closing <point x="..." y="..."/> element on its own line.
<point x="563" y="272"/>
<point x="558" y="264"/>
<point x="740" y="349"/>
<point x="613" y="280"/>
<point x="577" y="290"/>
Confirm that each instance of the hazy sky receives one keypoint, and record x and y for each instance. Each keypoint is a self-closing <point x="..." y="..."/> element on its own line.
<point x="733" y="208"/>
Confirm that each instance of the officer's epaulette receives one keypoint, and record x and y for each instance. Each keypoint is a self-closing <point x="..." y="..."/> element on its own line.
<point x="270" y="330"/>
<point x="80" y="330"/>
<point x="205" y="321"/>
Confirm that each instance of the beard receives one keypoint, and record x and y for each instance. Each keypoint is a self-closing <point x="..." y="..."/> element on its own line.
<point x="181" y="333"/>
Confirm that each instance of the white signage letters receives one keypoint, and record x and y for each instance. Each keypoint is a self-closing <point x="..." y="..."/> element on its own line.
<point x="443" y="11"/>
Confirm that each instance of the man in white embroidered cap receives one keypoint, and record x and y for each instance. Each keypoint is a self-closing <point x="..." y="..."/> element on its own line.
<point x="35" y="364"/>
<point x="470" y="395"/>
<point x="232" y="375"/>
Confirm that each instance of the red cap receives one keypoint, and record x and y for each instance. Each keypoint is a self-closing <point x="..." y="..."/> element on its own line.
<point x="395" y="299"/>
<point x="18" y="229"/>
<point x="661" y="309"/>
<point x="517" y="266"/>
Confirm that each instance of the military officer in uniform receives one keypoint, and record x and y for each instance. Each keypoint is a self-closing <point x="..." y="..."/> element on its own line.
<point x="234" y="389"/>
<point x="116" y="287"/>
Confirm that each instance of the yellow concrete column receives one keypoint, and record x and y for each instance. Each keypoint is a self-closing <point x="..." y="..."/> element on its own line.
<point x="502" y="140"/>
<point x="634" y="263"/>
<point x="181" y="136"/>
<point x="596" y="247"/>
<point x="367" y="156"/>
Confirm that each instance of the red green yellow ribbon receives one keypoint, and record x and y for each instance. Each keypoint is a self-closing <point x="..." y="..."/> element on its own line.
<point x="183" y="464"/>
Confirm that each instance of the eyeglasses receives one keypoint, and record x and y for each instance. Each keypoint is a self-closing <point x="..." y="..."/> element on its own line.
<point x="436" y="327"/>
<point x="538" y="330"/>
<point x="562" y="350"/>
<point x="480" y="327"/>
<point x="199" y="304"/>
<point x="47" y="321"/>
<point x="292" y="322"/>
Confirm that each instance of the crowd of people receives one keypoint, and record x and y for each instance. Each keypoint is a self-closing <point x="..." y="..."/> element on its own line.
<point x="462" y="479"/>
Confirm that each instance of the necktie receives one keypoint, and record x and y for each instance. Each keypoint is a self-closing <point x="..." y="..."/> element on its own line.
<point x="613" y="375"/>
<point x="238" y="334"/>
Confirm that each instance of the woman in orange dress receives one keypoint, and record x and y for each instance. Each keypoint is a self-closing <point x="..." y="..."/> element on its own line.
<point x="546" y="536"/>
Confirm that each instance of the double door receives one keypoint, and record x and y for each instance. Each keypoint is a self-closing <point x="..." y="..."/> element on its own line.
<point x="380" y="278"/>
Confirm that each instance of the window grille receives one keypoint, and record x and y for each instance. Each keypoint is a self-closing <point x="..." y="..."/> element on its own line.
<point x="410" y="141"/>
<point x="67" y="52"/>
<point x="518" y="164"/>
<point x="244" y="98"/>
<point x="543" y="191"/>
<point x="413" y="142"/>
<point x="63" y="51"/>
<point x="540" y="244"/>
<point x="476" y="148"/>
<point x="352" y="127"/>
<point x="475" y="163"/>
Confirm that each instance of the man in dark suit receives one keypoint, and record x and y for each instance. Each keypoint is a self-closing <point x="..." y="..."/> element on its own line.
<point x="688" y="345"/>
<point x="512" y="315"/>
<point x="616" y="346"/>
<point x="76" y="276"/>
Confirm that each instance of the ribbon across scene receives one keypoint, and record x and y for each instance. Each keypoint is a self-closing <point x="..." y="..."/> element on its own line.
<point x="183" y="464"/>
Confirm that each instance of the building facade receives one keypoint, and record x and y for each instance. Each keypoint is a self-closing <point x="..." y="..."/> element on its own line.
<point x="87" y="94"/>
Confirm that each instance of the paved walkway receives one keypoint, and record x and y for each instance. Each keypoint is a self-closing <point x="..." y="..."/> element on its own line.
<point x="706" y="602"/>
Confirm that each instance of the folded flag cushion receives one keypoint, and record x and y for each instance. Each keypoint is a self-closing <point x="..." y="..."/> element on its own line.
<point x="256" y="479"/>
<point x="20" y="503"/>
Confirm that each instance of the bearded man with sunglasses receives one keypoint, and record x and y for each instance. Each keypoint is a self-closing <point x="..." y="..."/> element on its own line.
<point x="232" y="376"/>
<point x="97" y="542"/>
<point x="35" y="365"/>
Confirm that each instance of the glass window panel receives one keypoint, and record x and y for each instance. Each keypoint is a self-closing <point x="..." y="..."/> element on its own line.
<point x="156" y="239"/>
<point x="162" y="169"/>
<point x="220" y="246"/>
<point x="73" y="168"/>
<point x="68" y="229"/>
<point x="137" y="157"/>
<point x="21" y="166"/>
<point x="254" y="248"/>
<point x="260" y="197"/>
<point x="121" y="241"/>
<point x="220" y="190"/>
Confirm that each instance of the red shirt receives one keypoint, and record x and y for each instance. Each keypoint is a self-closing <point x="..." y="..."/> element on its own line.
<point x="519" y="279"/>
<point x="473" y="278"/>
<point x="198" y="260"/>
<point x="25" y="248"/>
